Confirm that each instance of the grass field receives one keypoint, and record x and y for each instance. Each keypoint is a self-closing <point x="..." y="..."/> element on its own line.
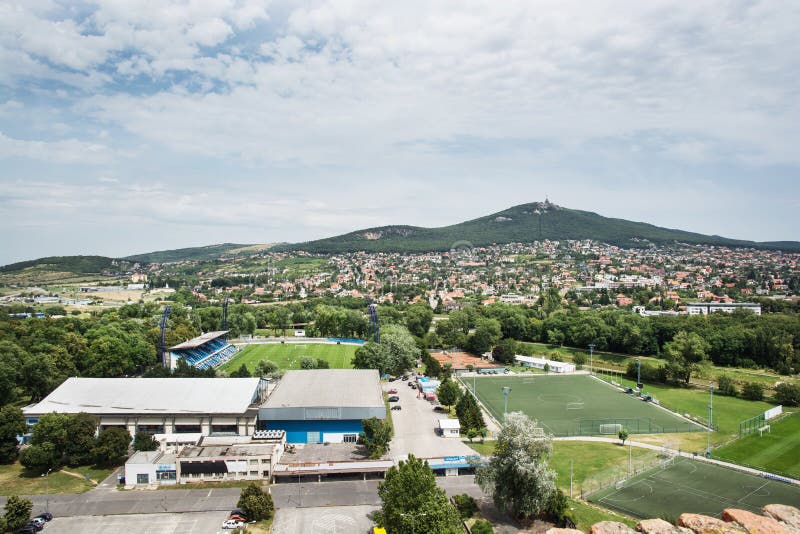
<point x="576" y="405"/>
<point x="690" y="486"/>
<point x="777" y="451"/>
<point x="289" y="355"/>
<point x="14" y="480"/>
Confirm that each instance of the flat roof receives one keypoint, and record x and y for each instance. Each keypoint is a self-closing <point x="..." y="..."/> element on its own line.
<point x="149" y="396"/>
<point x="449" y="424"/>
<point x="199" y="340"/>
<point x="328" y="388"/>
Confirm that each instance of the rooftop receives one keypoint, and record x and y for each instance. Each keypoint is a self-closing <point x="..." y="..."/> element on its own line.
<point x="328" y="388"/>
<point x="106" y="396"/>
<point x="199" y="340"/>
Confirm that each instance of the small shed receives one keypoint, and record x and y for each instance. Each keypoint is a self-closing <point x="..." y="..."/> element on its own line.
<point x="450" y="428"/>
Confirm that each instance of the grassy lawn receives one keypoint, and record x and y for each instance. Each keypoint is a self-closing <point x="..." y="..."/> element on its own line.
<point x="14" y="480"/>
<point x="585" y="515"/>
<point x="777" y="451"/>
<point x="728" y="411"/>
<point x="289" y="355"/>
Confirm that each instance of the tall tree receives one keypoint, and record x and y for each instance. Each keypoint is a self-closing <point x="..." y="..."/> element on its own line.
<point x="517" y="477"/>
<point x="80" y="429"/>
<point x="256" y="504"/>
<point x="684" y="353"/>
<point x="17" y="512"/>
<point x="448" y="392"/>
<point x="12" y="424"/>
<point x="469" y="414"/>
<point x="412" y="502"/>
<point x="376" y="436"/>
<point x="418" y="319"/>
<point x="112" y="446"/>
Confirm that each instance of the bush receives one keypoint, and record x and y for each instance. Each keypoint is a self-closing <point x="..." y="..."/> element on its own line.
<point x="753" y="391"/>
<point x="39" y="458"/>
<point x="466" y="505"/>
<point x="579" y="360"/>
<point x="255" y="503"/>
<point x="649" y="373"/>
<point x="726" y="386"/>
<point x="557" y="506"/>
<point x="787" y="394"/>
<point x="308" y="363"/>
<point x="144" y="442"/>
<point x="481" y="526"/>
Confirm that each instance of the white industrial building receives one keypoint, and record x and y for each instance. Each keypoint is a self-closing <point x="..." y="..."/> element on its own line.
<point x="540" y="363"/>
<point x="705" y="308"/>
<point x="205" y="406"/>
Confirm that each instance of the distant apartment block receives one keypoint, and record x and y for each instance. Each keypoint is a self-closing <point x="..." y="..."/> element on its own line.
<point x="704" y="308"/>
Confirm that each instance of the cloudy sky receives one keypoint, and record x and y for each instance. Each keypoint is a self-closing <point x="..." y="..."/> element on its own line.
<point x="129" y="126"/>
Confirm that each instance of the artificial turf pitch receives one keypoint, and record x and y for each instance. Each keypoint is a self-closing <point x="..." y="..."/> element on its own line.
<point x="692" y="486"/>
<point x="289" y="355"/>
<point x="576" y="405"/>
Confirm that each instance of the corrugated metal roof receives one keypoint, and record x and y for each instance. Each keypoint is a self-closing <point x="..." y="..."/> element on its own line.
<point x="200" y="340"/>
<point x="320" y="388"/>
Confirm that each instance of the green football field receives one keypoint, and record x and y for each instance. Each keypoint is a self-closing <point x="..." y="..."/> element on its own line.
<point x="777" y="451"/>
<point x="576" y="405"/>
<point x="692" y="486"/>
<point x="289" y="355"/>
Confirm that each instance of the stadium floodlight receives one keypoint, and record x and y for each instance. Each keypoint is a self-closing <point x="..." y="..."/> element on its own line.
<point x="591" y="353"/>
<point x="710" y="416"/>
<point x="506" y="391"/>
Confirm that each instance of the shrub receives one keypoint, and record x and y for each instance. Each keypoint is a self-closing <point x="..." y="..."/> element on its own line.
<point x="481" y="526"/>
<point x="466" y="505"/>
<point x="726" y="386"/>
<point x="579" y="360"/>
<point x="649" y="373"/>
<point x="753" y="391"/>
<point x="787" y="394"/>
<point x="255" y="503"/>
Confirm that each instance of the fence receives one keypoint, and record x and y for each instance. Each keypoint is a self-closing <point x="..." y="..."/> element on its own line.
<point x="623" y="471"/>
<point x="751" y="425"/>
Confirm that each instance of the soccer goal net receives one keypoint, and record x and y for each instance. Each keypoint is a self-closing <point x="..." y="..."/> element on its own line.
<point x="610" y="429"/>
<point x="574" y="406"/>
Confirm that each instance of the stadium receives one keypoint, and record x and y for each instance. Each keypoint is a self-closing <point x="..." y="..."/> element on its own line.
<point x="206" y="351"/>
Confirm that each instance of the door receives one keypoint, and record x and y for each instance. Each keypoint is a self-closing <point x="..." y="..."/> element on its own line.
<point x="313" y="437"/>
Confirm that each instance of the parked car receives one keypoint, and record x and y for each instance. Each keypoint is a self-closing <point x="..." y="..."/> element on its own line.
<point x="35" y="526"/>
<point x="397" y="407"/>
<point x="232" y="523"/>
<point x="45" y="516"/>
<point x="405" y="378"/>
<point x="27" y="529"/>
<point x="394" y="398"/>
<point x="38" y="522"/>
<point x="392" y="391"/>
<point x="412" y="385"/>
<point x="439" y="408"/>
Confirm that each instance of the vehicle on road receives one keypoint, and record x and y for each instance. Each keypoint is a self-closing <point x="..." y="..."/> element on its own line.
<point x="397" y="407"/>
<point x="412" y="385"/>
<point x="27" y="529"/>
<point x="392" y="392"/>
<point x="394" y="398"/>
<point x="405" y="378"/>
<point x="439" y="408"/>
<point x="232" y="523"/>
<point x="45" y="516"/>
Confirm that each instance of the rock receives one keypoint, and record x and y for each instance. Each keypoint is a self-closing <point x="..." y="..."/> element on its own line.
<point x="659" y="526"/>
<point x="563" y="531"/>
<point x="755" y="524"/>
<point x="611" y="527"/>
<point x="784" y="513"/>
<point x="702" y="524"/>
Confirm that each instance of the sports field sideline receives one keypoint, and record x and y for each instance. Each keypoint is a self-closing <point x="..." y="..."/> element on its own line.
<point x="693" y="486"/>
<point x="289" y="355"/>
<point x="576" y="405"/>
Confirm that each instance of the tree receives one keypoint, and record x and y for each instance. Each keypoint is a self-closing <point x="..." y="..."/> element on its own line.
<point x="487" y="333"/>
<point x="266" y="368"/>
<point x="80" y="430"/>
<point x="518" y="477"/>
<point x="18" y="512"/>
<point x="52" y="428"/>
<point x="11" y="357"/>
<point x="376" y="436"/>
<point x="787" y="394"/>
<point x="412" y="502"/>
<point x="308" y="363"/>
<point x="753" y="391"/>
<point x="579" y="359"/>
<point x="241" y="372"/>
<point x="322" y="363"/>
<point x="396" y="353"/>
<point x="448" y="392"/>
<point x="40" y="458"/>
<point x="482" y="526"/>
<point x="466" y="505"/>
<point x="469" y="414"/>
<point x="684" y="353"/>
<point x="256" y="504"/>
<point x="112" y="446"/>
<point x="144" y="441"/>
<point x="418" y="319"/>
<point x="623" y="435"/>
<point x="12" y="424"/>
<point x="726" y="386"/>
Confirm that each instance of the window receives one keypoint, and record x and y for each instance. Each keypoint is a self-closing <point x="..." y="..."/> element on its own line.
<point x="165" y="475"/>
<point x="142" y="478"/>
<point x="253" y="462"/>
<point x="350" y="438"/>
<point x="253" y="473"/>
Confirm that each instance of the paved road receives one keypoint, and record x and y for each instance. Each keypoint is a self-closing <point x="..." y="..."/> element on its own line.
<point x="415" y="427"/>
<point x="328" y="520"/>
<point x="194" y="523"/>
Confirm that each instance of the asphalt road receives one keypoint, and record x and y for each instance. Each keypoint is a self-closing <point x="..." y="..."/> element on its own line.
<point x="189" y="523"/>
<point x="415" y="427"/>
<point x="328" y="520"/>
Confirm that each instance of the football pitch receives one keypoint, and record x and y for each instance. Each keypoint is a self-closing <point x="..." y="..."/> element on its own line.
<point x="777" y="451"/>
<point x="576" y="405"/>
<point x="691" y="486"/>
<point x="289" y="355"/>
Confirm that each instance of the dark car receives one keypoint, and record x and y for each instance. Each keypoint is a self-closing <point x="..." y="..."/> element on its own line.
<point x="405" y="378"/>
<point x="439" y="408"/>
<point x="45" y="516"/>
<point x="27" y="529"/>
<point x="397" y="407"/>
<point x="394" y="398"/>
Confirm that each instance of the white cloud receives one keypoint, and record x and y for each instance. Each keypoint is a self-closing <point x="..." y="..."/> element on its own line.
<point x="62" y="151"/>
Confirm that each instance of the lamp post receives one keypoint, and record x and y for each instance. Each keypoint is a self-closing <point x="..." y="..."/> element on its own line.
<point x="710" y="416"/>
<point x="638" y="373"/>
<point x="47" y="490"/>
<point x="591" y="353"/>
<point x="506" y="391"/>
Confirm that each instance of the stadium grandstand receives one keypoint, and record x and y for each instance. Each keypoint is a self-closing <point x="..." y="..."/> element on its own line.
<point x="203" y="352"/>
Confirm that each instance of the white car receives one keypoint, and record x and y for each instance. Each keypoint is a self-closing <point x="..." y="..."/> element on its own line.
<point x="232" y="524"/>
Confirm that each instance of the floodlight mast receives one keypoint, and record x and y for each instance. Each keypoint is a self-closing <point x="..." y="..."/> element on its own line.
<point x="506" y="391"/>
<point x="591" y="353"/>
<point x="710" y="416"/>
<point x="161" y="335"/>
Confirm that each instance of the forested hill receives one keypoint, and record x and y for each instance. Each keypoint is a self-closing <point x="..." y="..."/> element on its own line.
<point x="523" y="223"/>
<point x="66" y="264"/>
<point x="207" y="253"/>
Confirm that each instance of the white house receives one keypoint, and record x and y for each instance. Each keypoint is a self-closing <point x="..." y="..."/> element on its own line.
<point x="450" y="428"/>
<point x="539" y="363"/>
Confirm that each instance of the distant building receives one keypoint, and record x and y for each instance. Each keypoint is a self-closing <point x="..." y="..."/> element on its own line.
<point x="539" y="363"/>
<point x="704" y="308"/>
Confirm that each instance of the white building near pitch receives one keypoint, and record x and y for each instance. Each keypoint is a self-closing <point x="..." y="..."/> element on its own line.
<point x="540" y="363"/>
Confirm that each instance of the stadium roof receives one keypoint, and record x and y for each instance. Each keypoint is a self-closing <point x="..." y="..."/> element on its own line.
<point x="328" y="388"/>
<point x="199" y="340"/>
<point x="156" y="396"/>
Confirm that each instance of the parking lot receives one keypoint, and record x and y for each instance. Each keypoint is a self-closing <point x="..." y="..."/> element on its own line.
<point x="325" y="520"/>
<point x="192" y="522"/>
<point x="415" y="427"/>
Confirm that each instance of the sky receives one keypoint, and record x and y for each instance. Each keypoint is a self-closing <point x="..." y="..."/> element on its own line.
<point x="128" y="127"/>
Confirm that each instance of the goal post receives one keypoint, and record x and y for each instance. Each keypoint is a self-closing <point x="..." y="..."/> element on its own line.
<point x="574" y="406"/>
<point x="610" y="428"/>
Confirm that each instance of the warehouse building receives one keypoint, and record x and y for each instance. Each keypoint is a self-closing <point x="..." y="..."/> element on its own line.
<point x="205" y="406"/>
<point x="323" y="405"/>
